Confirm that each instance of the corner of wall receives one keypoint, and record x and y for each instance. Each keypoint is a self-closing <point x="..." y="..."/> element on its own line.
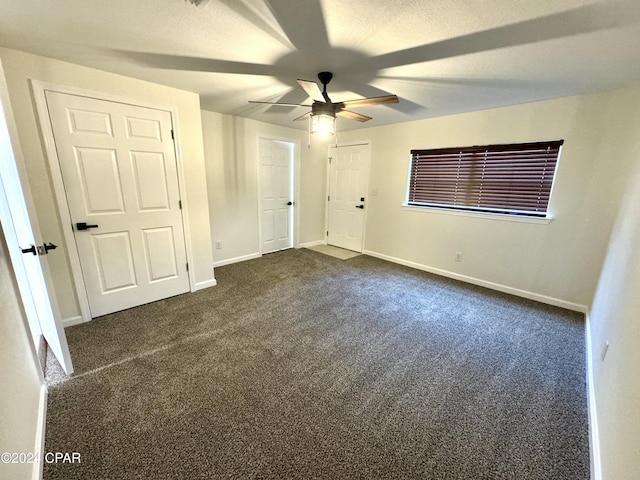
<point x="594" y="440"/>
<point x="39" y="446"/>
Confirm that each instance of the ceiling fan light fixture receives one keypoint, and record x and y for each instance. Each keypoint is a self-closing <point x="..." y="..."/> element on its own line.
<point x="322" y="124"/>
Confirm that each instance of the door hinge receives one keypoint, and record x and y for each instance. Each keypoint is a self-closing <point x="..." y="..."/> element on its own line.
<point x="327" y="233"/>
<point x="180" y="204"/>
<point x="187" y="265"/>
<point x="328" y="198"/>
<point x="172" y="135"/>
<point x="330" y="158"/>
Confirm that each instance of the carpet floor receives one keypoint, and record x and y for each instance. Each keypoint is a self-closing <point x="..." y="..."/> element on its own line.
<point x="301" y="365"/>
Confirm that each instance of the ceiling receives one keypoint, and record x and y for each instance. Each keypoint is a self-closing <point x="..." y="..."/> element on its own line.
<point x="439" y="56"/>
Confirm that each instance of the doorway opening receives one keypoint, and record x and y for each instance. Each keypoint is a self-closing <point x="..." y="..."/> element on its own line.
<point x="278" y="215"/>
<point x="347" y="195"/>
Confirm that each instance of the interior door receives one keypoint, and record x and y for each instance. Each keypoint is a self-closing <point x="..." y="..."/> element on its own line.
<point x="120" y="177"/>
<point x="28" y="261"/>
<point x="348" y="184"/>
<point x="276" y="195"/>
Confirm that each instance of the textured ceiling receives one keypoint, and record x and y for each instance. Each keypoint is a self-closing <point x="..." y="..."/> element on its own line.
<point x="439" y="56"/>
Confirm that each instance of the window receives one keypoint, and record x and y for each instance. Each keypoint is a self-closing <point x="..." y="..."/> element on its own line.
<point x="513" y="179"/>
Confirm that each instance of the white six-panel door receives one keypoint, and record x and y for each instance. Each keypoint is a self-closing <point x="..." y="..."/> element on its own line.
<point x="276" y="202"/>
<point x="120" y="178"/>
<point x="348" y="185"/>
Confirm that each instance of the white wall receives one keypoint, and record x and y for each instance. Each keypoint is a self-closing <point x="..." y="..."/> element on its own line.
<point x="22" y="384"/>
<point x="19" y="69"/>
<point x="230" y="145"/>
<point x="557" y="261"/>
<point x="595" y="206"/>
<point x="615" y="317"/>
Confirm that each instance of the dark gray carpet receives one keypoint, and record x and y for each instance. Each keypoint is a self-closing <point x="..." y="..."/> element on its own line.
<point x="300" y="365"/>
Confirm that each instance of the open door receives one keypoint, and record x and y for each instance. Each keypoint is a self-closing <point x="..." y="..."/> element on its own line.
<point x="276" y="195"/>
<point x="27" y="251"/>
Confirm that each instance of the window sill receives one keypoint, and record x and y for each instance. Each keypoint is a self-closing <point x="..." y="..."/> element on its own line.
<point x="488" y="216"/>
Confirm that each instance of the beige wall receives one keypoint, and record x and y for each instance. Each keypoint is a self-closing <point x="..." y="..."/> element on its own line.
<point x="19" y="69"/>
<point x="22" y="384"/>
<point x="231" y="153"/>
<point x="560" y="260"/>
<point x="614" y="317"/>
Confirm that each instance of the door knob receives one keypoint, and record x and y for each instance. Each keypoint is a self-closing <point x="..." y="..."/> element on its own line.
<point x="289" y="203"/>
<point x="84" y="226"/>
<point x="31" y="249"/>
<point x="360" y="206"/>
<point x="40" y="249"/>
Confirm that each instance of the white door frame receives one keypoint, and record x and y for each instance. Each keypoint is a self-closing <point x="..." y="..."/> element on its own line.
<point x="39" y="89"/>
<point x="326" y="210"/>
<point x="296" y="187"/>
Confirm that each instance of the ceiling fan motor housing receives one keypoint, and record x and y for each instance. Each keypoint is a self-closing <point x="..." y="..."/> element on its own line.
<point x="321" y="108"/>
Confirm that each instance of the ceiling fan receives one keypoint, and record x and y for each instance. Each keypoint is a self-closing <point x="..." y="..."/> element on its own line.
<point x="324" y="107"/>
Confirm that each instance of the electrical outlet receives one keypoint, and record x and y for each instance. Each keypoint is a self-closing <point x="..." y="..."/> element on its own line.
<point x="458" y="257"/>
<point x="218" y="245"/>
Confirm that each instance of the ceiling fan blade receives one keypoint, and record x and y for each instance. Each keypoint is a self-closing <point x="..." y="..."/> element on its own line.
<point x="312" y="90"/>
<point x="280" y="104"/>
<point x="302" y="117"/>
<point x="353" y="115"/>
<point x="385" y="99"/>
<point x="294" y="96"/>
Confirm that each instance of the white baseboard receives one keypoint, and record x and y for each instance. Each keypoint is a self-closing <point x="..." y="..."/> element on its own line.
<point x="312" y="244"/>
<point x="71" y="321"/>
<point x="40" y="434"/>
<point x="594" y="439"/>
<point x="243" y="258"/>
<point x="483" y="283"/>
<point x="206" y="284"/>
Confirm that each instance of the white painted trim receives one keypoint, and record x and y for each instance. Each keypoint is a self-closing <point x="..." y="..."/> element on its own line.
<point x="483" y="283"/>
<point x="206" y="284"/>
<point x="38" y="88"/>
<point x="39" y="446"/>
<point x="243" y="258"/>
<point x="594" y="438"/>
<point x="313" y="244"/>
<point x="296" y="193"/>
<point x="483" y="215"/>
<point x="327" y="192"/>
<point x="71" y="321"/>
<point x="182" y="188"/>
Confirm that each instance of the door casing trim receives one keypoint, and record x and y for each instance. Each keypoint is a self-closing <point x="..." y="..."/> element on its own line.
<point x="39" y="88"/>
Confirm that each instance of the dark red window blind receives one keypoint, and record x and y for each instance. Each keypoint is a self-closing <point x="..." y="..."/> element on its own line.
<point x="511" y="179"/>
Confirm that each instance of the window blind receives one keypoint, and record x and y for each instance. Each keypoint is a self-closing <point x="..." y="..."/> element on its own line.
<point x="511" y="179"/>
